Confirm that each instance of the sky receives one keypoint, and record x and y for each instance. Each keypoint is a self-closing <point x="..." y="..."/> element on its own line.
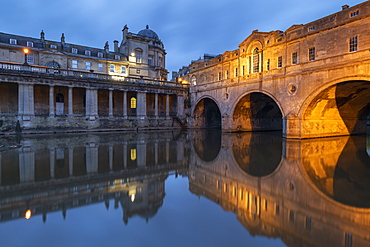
<point x="188" y="28"/>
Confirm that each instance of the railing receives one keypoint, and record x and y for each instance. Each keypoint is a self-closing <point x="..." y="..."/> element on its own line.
<point x="86" y="75"/>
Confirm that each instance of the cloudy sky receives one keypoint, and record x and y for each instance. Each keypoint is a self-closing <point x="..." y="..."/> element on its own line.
<point x="188" y="28"/>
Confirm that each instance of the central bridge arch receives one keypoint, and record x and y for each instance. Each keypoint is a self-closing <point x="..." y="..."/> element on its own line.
<point x="207" y="114"/>
<point x="256" y="111"/>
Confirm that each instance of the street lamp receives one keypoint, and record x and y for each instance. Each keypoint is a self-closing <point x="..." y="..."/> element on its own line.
<point x="25" y="51"/>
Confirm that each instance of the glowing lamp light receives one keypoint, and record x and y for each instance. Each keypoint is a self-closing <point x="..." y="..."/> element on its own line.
<point x="26" y="51"/>
<point x="28" y="214"/>
<point x="132" y="197"/>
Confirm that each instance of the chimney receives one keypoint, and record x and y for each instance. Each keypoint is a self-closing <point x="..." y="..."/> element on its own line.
<point x="42" y="36"/>
<point x="106" y="47"/>
<point x="115" y="45"/>
<point x="345" y="7"/>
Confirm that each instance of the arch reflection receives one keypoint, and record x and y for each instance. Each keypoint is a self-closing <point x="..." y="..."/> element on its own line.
<point x="257" y="154"/>
<point x="207" y="143"/>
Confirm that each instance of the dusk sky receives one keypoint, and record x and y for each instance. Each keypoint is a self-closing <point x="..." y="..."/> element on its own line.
<point x="188" y="28"/>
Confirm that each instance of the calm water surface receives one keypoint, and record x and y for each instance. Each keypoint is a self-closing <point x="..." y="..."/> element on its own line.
<point x="198" y="188"/>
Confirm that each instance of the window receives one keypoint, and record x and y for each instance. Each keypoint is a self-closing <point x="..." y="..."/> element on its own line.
<point x="194" y="80"/>
<point x="353" y="44"/>
<point x="133" y="154"/>
<point x="348" y="240"/>
<point x="74" y="50"/>
<point x="243" y="70"/>
<point x="74" y="64"/>
<point x="111" y="68"/>
<point x="100" y="54"/>
<point x="88" y="53"/>
<point x="30" y="59"/>
<point x="133" y="103"/>
<point x="268" y="64"/>
<point x="294" y="58"/>
<point x="219" y="76"/>
<point x="88" y="65"/>
<point x="256" y="61"/>
<point x="311" y="54"/>
<point x="150" y="61"/>
<point x="280" y="62"/>
<point x="123" y="70"/>
<point x="277" y="209"/>
<point x="138" y="57"/>
<point x="311" y="28"/>
<point x="53" y="65"/>
<point x="100" y="67"/>
<point x="53" y="47"/>
<point x="308" y="223"/>
<point x="13" y="41"/>
<point x="236" y="72"/>
<point x="117" y="57"/>
<point x="29" y="44"/>
<point x="226" y="74"/>
<point x="291" y="216"/>
<point x="354" y="13"/>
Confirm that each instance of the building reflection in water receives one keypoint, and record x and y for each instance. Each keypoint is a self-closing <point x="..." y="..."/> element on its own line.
<point x="48" y="174"/>
<point x="306" y="192"/>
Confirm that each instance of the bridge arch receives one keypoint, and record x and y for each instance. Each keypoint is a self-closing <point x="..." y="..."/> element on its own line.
<point x="206" y="113"/>
<point x="341" y="107"/>
<point x="257" y="111"/>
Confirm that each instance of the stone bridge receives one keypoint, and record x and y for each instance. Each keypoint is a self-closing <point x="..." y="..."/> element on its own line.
<point x="310" y="81"/>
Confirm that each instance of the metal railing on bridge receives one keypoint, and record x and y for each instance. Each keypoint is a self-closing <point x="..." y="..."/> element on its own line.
<point x="21" y="68"/>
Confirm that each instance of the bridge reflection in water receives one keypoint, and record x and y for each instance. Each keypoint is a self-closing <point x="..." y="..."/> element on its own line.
<point x="305" y="192"/>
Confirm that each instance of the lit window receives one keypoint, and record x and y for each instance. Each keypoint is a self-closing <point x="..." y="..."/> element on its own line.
<point x="268" y="64"/>
<point x="133" y="103"/>
<point x="236" y="72"/>
<point x="29" y="44"/>
<point x="354" y="13"/>
<point x="138" y="57"/>
<point x="100" y="54"/>
<point x="74" y="64"/>
<point x="280" y="62"/>
<point x="111" y="68"/>
<point x="294" y="58"/>
<point x="88" y="53"/>
<point x="74" y="50"/>
<point x="88" y="65"/>
<point x="243" y="70"/>
<point x="133" y="154"/>
<point x="100" y="67"/>
<point x="13" y="41"/>
<point x="123" y="70"/>
<point x="312" y="54"/>
<point x="194" y="80"/>
<point x="353" y="44"/>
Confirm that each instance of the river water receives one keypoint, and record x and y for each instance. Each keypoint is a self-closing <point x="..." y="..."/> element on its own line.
<point x="195" y="188"/>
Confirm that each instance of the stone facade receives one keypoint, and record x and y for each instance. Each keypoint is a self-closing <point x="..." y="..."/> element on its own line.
<point x="311" y="80"/>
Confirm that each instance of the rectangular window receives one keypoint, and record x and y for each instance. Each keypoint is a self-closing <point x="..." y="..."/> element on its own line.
<point x="123" y="70"/>
<point x="243" y="70"/>
<point x="100" y="67"/>
<point x="291" y="216"/>
<point x="88" y="53"/>
<point x="138" y="57"/>
<point x="111" y="68"/>
<point x="150" y="61"/>
<point x="348" y="240"/>
<point x="294" y="58"/>
<point x="280" y="62"/>
<point x="74" y="64"/>
<point x="117" y="57"/>
<point x="30" y="59"/>
<point x="312" y="54"/>
<point x="354" y="13"/>
<point x="277" y="209"/>
<point x="236" y="72"/>
<point x="53" y="46"/>
<point x="268" y="64"/>
<point x="308" y="223"/>
<point x="29" y="44"/>
<point x="88" y="66"/>
<point x="100" y="54"/>
<point x="353" y="44"/>
<point x="74" y="50"/>
<point x="219" y="76"/>
<point x="311" y="28"/>
<point x="13" y="41"/>
<point x="226" y="74"/>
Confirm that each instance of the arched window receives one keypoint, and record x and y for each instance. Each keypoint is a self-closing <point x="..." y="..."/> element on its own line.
<point x="194" y="80"/>
<point x="53" y="65"/>
<point x="59" y="98"/>
<point x="256" y="61"/>
<point x="133" y="103"/>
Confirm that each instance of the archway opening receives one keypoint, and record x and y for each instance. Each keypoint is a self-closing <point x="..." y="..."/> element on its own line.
<point x="342" y="109"/>
<point x="207" y="115"/>
<point x="257" y="112"/>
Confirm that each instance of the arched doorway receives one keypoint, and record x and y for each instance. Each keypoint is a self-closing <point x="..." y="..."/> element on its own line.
<point x="257" y="112"/>
<point x="207" y="114"/>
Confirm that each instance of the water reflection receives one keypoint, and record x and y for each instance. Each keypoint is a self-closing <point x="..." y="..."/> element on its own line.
<point x="306" y="193"/>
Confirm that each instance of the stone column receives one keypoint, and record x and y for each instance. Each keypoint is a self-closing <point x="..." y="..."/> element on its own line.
<point x="70" y="101"/>
<point x="26" y="105"/>
<point x="26" y="165"/>
<point x="110" y="103"/>
<point x="167" y="151"/>
<point x="141" y="154"/>
<point x="124" y="103"/>
<point x="70" y="160"/>
<point x="51" y="101"/>
<point x="52" y="163"/>
<point x="167" y="105"/>
<point x="156" y="153"/>
<point x="92" y="103"/>
<point x="180" y="106"/>
<point x="92" y="158"/>
<point x="156" y="105"/>
<point x="125" y="155"/>
<point x="141" y="104"/>
<point x="110" y="157"/>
